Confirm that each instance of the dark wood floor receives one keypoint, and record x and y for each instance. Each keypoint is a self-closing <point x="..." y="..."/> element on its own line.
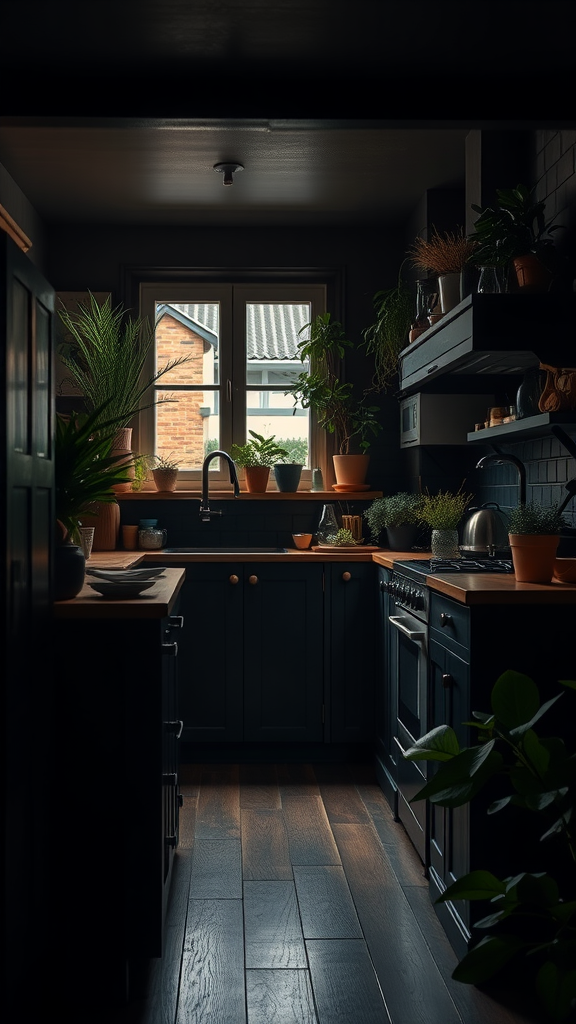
<point x="297" y="899"/>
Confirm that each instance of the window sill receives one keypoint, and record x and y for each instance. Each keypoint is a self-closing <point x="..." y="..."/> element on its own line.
<point x="216" y="495"/>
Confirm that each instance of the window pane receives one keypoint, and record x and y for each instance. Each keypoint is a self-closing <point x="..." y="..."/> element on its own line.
<point x="271" y="413"/>
<point x="192" y="330"/>
<point x="188" y="426"/>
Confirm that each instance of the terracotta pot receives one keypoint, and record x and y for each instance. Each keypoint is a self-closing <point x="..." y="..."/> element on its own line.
<point x="122" y="446"/>
<point x="350" y="470"/>
<point x="257" y="478"/>
<point x="165" y="479"/>
<point x="531" y="274"/>
<point x="106" y="523"/>
<point x="533" y="556"/>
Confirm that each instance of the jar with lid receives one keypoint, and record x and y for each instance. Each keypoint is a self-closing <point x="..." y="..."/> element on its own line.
<point x="151" y="538"/>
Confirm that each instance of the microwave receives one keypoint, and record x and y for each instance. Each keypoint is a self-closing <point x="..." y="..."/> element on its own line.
<point x="441" y="419"/>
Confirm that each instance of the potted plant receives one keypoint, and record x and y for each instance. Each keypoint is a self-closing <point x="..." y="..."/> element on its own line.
<point x="85" y="471"/>
<point x="350" y="419"/>
<point x="256" y="457"/>
<point x="445" y="256"/>
<point x="443" y="512"/>
<point x="142" y="464"/>
<point x="397" y="514"/>
<point x="388" y="334"/>
<point x="287" y="473"/>
<point x="165" y="472"/>
<point x="529" y="931"/>
<point x="534" y="535"/>
<point x="106" y="355"/>
<point x="515" y="230"/>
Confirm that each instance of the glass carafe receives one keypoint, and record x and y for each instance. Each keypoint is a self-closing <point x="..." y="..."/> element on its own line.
<point x="328" y="526"/>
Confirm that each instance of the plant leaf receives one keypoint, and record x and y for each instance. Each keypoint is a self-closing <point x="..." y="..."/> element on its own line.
<point x="487" y="958"/>
<point x="458" y="780"/>
<point x="440" y="744"/>
<point x="477" y="885"/>
<point x="521" y="729"/>
<point x="515" y="699"/>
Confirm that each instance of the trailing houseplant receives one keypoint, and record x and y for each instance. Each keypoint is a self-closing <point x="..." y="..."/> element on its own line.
<point x="530" y="927"/>
<point x="388" y="334"/>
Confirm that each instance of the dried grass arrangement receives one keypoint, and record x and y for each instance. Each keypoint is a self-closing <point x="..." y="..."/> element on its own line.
<point x="442" y="254"/>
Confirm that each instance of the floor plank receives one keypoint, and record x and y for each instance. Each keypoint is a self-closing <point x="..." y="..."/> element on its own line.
<point x="297" y="780"/>
<point x="218" y="811"/>
<point x="273" y="934"/>
<point x="259" y="789"/>
<point x="345" y="986"/>
<point x="279" y="997"/>
<point x="265" y="849"/>
<point x="404" y="964"/>
<point x="341" y="800"/>
<point x="327" y="910"/>
<point x="310" y="837"/>
<point x="216" y="870"/>
<point x="212" y="986"/>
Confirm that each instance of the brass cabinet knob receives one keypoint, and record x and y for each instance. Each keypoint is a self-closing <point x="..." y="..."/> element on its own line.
<point x="253" y="580"/>
<point x="234" y="579"/>
<point x="346" y="576"/>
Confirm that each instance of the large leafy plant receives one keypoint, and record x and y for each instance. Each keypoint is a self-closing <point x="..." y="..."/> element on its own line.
<point x="338" y="410"/>
<point x="400" y="509"/>
<point x="258" y="451"/>
<point x="514" y="226"/>
<point x="532" y="915"/>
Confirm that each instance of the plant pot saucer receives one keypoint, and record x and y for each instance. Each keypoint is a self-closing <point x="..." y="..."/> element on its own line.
<point x="351" y="487"/>
<point x="343" y="547"/>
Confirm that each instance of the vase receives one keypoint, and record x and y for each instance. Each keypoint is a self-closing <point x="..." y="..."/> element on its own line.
<point x="450" y="291"/>
<point x="69" y="571"/>
<point x="106" y="523"/>
<point x="257" y="478"/>
<point x="328" y="526"/>
<point x="529" y="392"/>
<point x="444" y="544"/>
<point x="287" y="475"/>
<point x="533" y="556"/>
<point x="492" y="280"/>
<point x="350" y="471"/>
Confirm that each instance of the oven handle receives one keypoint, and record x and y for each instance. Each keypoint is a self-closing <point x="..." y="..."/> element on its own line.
<point x="418" y="636"/>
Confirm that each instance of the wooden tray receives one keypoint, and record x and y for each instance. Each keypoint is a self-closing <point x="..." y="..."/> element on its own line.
<point x="344" y="547"/>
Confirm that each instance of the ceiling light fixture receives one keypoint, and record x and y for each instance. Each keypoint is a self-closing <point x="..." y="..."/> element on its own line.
<point x="228" y="170"/>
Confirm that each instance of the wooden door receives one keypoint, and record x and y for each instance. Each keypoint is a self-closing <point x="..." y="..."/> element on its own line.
<point x="26" y="325"/>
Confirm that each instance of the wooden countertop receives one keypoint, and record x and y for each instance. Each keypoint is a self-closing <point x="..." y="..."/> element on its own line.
<point x="155" y="603"/>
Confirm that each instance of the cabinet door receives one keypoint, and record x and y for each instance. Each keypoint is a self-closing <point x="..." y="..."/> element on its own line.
<point x="449" y="837"/>
<point x="351" y="603"/>
<point x="385" y="701"/>
<point x="210" y="652"/>
<point x="283" y="652"/>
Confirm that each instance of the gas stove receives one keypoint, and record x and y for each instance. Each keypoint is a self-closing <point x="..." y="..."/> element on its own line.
<point x="418" y="569"/>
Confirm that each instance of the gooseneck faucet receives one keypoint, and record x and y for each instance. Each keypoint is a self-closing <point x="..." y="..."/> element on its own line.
<point x="205" y="511"/>
<point x="498" y="460"/>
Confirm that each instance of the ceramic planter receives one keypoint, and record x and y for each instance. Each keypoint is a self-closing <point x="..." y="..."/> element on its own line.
<point x="287" y="475"/>
<point x="401" y="538"/>
<point x="533" y="556"/>
<point x="450" y="291"/>
<point x="531" y="274"/>
<point x="350" y="472"/>
<point x="165" y="479"/>
<point x="122" y="446"/>
<point x="257" y="478"/>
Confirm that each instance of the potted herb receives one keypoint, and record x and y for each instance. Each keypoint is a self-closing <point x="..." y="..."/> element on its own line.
<point x="515" y="231"/>
<point x="534" y="535"/>
<point x="256" y="457"/>
<point x="397" y="514"/>
<point x="529" y="932"/>
<point x="165" y="472"/>
<point x="445" y="256"/>
<point x="443" y="512"/>
<point x="351" y="420"/>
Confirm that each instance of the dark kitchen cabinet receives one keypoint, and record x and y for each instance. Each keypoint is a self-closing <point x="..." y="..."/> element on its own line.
<point x="116" y="798"/>
<point x="251" y="662"/>
<point x="469" y="648"/>
<point x="386" y="750"/>
<point x="350" y="616"/>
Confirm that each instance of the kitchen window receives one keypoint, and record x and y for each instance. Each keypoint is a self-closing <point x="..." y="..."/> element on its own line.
<point x="242" y="342"/>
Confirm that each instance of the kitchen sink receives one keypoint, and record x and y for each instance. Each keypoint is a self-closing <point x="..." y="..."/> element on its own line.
<point x="226" y="549"/>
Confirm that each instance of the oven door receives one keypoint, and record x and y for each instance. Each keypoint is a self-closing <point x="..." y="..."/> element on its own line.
<point x="409" y="673"/>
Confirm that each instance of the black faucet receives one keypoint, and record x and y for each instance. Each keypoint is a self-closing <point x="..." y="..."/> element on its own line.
<point x="497" y="460"/>
<point x="205" y="511"/>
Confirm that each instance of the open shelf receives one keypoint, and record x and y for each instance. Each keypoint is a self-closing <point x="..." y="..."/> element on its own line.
<point x="519" y="430"/>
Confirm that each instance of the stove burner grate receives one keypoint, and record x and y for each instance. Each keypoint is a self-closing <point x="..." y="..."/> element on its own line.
<point x="470" y="565"/>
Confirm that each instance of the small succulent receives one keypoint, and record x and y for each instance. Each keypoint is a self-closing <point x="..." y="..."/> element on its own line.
<point x="344" y="538"/>
<point x="530" y="518"/>
<point x="166" y="462"/>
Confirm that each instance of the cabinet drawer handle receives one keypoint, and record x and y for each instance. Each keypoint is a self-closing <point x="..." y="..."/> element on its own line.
<point x="170" y="650"/>
<point x="176" y="621"/>
<point x="175" y="727"/>
<point x="346" y="576"/>
<point x="253" y="580"/>
<point x="447" y="680"/>
<point x="234" y="579"/>
<point x="445" y="619"/>
<point x="430" y="369"/>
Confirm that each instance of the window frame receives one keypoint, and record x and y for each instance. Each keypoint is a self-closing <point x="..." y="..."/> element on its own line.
<point x="232" y="295"/>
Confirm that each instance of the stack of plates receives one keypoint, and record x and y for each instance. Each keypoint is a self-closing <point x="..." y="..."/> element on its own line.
<point x="119" y="583"/>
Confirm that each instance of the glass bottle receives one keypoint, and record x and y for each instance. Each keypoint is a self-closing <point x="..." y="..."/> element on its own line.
<point x="328" y="526"/>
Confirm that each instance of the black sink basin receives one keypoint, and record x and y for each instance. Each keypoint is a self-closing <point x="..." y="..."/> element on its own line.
<point x="226" y="549"/>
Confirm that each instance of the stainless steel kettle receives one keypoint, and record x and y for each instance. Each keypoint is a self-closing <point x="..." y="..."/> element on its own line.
<point x="485" y="532"/>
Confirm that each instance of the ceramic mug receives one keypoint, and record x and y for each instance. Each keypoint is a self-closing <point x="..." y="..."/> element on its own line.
<point x="130" y="537"/>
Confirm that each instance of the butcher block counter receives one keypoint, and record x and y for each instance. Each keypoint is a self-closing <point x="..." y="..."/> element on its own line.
<point x="156" y="603"/>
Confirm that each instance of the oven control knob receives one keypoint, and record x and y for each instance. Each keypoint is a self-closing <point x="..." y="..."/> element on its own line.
<point x="418" y="600"/>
